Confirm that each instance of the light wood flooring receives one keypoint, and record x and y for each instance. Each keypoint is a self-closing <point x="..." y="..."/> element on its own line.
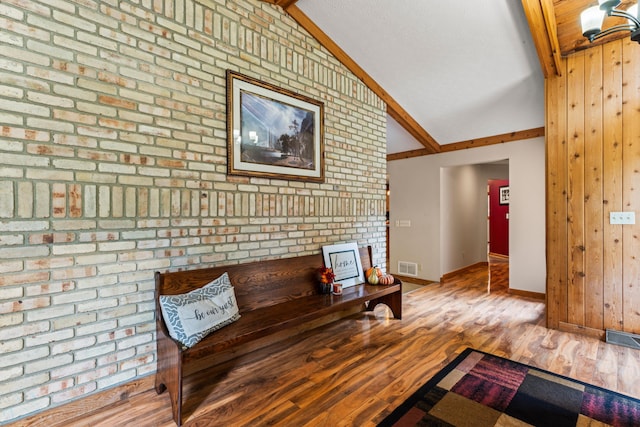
<point x="355" y="371"/>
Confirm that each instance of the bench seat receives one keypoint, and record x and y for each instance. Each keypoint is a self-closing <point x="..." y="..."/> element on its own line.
<point x="271" y="319"/>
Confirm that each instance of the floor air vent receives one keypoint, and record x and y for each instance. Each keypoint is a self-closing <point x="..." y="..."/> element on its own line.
<point x="407" y="268"/>
<point x="623" y="338"/>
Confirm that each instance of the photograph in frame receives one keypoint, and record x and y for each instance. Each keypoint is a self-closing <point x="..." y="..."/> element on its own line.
<point x="344" y="259"/>
<point x="273" y="132"/>
<point x="504" y="195"/>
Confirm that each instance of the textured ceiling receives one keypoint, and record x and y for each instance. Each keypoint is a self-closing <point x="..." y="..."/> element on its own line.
<point x="462" y="70"/>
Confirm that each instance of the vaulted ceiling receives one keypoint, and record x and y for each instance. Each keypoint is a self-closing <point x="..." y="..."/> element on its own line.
<point x="454" y="75"/>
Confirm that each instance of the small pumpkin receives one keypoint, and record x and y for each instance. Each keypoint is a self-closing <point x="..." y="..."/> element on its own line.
<point x="373" y="275"/>
<point x="387" y="279"/>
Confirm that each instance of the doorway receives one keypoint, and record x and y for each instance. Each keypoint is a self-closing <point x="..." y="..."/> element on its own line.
<point x="498" y="217"/>
<point x="463" y="213"/>
<point x="498" y="233"/>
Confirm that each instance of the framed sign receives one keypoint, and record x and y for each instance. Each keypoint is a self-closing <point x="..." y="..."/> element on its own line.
<point x="273" y="132"/>
<point x="504" y="195"/>
<point x="344" y="259"/>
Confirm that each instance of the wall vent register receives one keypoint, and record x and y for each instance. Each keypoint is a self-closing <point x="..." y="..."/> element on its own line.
<point x="407" y="268"/>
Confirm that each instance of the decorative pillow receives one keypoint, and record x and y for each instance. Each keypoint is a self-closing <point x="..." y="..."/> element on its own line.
<point x="192" y="316"/>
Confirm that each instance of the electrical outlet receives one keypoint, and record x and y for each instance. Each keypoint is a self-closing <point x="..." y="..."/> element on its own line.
<point x="622" y="217"/>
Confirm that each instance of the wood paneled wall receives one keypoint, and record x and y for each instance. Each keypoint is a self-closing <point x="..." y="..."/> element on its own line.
<point x="593" y="168"/>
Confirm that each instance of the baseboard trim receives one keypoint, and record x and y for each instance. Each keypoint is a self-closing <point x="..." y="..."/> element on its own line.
<point x="581" y="330"/>
<point x="415" y="280"/>
<point x="498" y="256"/>
<point x="528" y="294"/>
<point x="463" y="270"/>
<point x="65" y="414"/>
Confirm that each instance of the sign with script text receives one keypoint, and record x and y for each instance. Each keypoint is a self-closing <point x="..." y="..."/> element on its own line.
<point x="344" y="259"/>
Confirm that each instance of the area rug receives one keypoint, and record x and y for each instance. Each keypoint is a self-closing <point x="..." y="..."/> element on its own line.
<point x="478" y="389"/>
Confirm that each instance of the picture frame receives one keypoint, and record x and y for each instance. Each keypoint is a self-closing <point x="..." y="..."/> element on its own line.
<point x="273" y="132"/>
<point x="344" y="260"/>
<point x="504" y="195"/>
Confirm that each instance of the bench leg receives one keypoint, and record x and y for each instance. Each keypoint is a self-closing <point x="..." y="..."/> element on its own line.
<point x="393" y="301"/>
<point x="169" y="374"/>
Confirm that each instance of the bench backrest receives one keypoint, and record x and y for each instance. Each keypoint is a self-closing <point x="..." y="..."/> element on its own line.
<point x="257" y="284"/>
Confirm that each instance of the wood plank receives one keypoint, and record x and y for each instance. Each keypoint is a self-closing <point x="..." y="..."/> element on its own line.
<point x="612" y="172"/>
<point x="549" y="13"/>
<point x="593" y="193"/>
<point x="282" y="3"/>
<point x="473" y="143"/>
<point x="631" y="181"/>
<point x="575" y="198"/>
<point x="541" y="37"/>
<point x="285" y="4"/>
<point x="408" y="154"/>
<point x="464" y="270"/>
<point x="413" y="280"/>
<point x="495" y="139"/>
<point x="556" y="212"/>
<point x="606" y="295"/>
<point x="528" y="294"/>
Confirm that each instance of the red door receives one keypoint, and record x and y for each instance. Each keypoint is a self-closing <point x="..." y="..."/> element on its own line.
<point x="499" y="216"/>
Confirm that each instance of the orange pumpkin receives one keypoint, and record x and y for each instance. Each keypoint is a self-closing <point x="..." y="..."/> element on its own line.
<point x="387" y="279"/>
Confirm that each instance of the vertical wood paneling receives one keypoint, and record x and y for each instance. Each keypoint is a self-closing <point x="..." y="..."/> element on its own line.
<point x="575" y="196"/>
<point x="593" y="284"/>
<point x="612" y="185"/>
<point x="602" y="174"/>
<point x="631" y="183"/>
<point x="556" y="152"/>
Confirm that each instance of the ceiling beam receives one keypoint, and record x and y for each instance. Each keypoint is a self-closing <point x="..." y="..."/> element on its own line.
<point x="473" y="143"/>
<point x="285" y="4"/>
<point x="552" y="30"/>
<point x="541" y="17"/>
<point x="393" y="108"/>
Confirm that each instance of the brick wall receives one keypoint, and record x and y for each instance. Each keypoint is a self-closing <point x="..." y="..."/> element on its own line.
<point x="113" y="165"/>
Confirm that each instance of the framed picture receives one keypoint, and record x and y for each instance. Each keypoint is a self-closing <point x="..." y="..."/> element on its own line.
<point x="344" y="259"/>
<point x="273" y="132"/>
<point x="504" y="195"/>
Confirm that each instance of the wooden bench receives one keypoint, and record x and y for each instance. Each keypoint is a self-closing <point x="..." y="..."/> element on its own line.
<point x="272" y="296"/>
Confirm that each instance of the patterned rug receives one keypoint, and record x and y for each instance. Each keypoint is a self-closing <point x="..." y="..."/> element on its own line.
<point x="479" y="389"/>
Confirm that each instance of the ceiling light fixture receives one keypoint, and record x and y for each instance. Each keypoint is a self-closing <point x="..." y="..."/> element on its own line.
<point x="593" y="17"/>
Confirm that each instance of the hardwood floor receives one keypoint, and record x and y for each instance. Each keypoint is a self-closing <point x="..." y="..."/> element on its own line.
<point x="355" y="371"/>
<point x="498" y="272"/>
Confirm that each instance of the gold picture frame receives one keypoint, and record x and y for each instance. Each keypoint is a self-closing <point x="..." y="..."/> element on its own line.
<point x="273" y="132"/>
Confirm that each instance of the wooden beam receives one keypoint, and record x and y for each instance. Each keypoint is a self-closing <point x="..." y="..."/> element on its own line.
<point x="285" y="4"/>
<point x="492" y="140"/>
<point x="408" y="154"/>
<point x="393" y="108"/>
<point x="534" y="12"/>
<point x="552" y="31"/>
<point x="473" y="143"/>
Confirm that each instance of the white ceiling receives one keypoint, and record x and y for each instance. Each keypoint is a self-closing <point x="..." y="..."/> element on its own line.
<point x="462" y="70"/>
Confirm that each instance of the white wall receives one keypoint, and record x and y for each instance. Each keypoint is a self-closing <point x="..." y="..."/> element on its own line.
<point x="463" y="210"/>
<point x="415" y="186"/>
